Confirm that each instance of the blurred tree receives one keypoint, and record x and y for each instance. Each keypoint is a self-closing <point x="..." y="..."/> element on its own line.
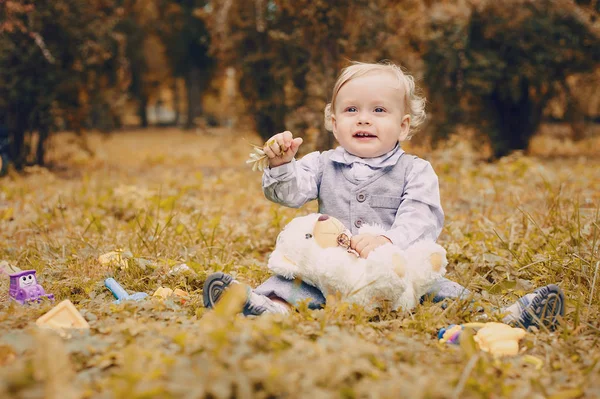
<point x="241" y="38"/>
<point x="49" y="53"/>
<point x="289" y="52"/>
<point x="495" y="65"/>
<point x="184" y="32"/>
<point x="135" y="24"/>
<point x="326" y="33"/>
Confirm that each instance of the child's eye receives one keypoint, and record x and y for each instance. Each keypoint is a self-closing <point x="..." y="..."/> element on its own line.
<point x="308" y="236"/>
<point x="379" y="109"/>
<point x="351" y="109"/>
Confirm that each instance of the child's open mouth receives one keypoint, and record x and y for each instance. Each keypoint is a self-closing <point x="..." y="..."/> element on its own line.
<point x="364" y="135"/>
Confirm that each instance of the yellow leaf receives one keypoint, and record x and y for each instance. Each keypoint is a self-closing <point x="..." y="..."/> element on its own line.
<point x="535" y="361"/>
<point x="168" y="203"/>
<point x="8" y="213"/>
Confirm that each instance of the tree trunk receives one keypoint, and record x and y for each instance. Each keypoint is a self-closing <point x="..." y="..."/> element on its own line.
<point x="4" y="149"/>
<point x="574" y="115"/>
<point x="326" y="139"/>
<point x="176" y="100"/>
<point x="270" y="117"/>
<point x="267" y="125"/>
<point x="143" y="110"/>
<point x="43" y="134"/>
<point x="3" y="164"/>
<point x="515" y="122"/>
<point x="17" y="153"/>
<point x="192" y="82"/>
<point x="17" y="127"/>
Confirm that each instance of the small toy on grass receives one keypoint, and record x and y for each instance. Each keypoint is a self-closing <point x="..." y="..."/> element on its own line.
<point x="120" y="293"/>
<point x="63" y="316"/>
<point x="24" y="288"/>
<point x="165" y="292"/>
<point x="450" y="334"/>
<point x="116" y="258"/>
<point x="499" y="339"/>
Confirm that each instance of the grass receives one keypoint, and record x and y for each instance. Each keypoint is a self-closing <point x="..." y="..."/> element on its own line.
<point x="165" y="198"/>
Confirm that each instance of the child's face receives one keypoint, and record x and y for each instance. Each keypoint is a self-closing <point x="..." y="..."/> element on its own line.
<point x="369" y="116"/>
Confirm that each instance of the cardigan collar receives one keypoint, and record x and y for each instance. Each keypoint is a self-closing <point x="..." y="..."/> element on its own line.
<point x="340" y="155"/>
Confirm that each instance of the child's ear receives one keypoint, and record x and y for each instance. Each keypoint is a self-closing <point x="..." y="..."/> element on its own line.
<point x="334" y="126"/>
<point x="404" y="127"/>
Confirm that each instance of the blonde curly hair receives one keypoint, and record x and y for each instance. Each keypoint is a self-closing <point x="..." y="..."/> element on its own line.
<point x="414" y="103"/>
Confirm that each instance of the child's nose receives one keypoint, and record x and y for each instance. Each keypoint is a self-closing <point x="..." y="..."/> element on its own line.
<point x="363" y="119"/>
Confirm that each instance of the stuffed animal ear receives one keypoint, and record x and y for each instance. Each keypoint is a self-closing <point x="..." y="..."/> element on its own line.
<point x="326" y="231"/>
<point x="438" y="261"/>
<point x="282" y="265"/>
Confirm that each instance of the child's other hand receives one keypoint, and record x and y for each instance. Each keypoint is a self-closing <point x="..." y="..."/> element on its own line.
<point x="281" y="148"/>
<point x="365" y="243"/>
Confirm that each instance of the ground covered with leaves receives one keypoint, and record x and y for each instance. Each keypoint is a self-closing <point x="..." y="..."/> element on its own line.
<point x="166" y="198"/>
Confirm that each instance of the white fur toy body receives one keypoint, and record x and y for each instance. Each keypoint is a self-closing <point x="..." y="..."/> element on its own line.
<point x="314" y="249"/>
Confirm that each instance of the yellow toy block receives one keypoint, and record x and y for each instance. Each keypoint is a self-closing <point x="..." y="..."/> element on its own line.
<point x="181" y="293"/>
<point x="63" y="316"/>
<point x="163" y="292"/>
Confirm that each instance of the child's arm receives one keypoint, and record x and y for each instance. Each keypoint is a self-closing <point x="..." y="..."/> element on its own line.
<point x="295" y="183"/>
<point x="420" y="215"/>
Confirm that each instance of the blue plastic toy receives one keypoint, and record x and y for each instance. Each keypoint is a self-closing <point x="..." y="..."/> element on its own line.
<point x="450" y="334"/>
<point x="120" y="293"/>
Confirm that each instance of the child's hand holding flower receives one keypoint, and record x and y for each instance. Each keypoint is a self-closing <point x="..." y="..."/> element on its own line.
<point x="281" y="148"/>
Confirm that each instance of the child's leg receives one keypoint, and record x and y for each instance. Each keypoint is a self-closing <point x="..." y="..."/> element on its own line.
<point x="542" y="307"/>
<point x="291" y="291"/>
<point x="276" y="295"/>
<point x="255" y="305"/>
<point x="446" y="289"/>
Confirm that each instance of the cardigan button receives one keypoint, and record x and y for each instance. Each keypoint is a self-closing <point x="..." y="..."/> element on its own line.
<point x="358" y="223"/>
<point x="361" y="197"/>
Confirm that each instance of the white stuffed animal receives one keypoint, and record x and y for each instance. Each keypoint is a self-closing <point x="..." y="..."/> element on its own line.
<point x="315" y="248"/>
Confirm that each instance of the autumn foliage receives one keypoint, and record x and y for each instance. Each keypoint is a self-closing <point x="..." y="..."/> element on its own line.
<point x="498" y="67"/>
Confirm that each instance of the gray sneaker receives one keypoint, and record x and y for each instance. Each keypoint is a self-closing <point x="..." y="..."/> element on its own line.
<point x="545" y="306"/>
<point x="255" y="305"/>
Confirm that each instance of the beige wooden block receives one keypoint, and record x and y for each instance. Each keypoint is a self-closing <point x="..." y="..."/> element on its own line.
<point x="63" y="316"/>
<point x="181" y="293"/>
<point x="163" y="292"/>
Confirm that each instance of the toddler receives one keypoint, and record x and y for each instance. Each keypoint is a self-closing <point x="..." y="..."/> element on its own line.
<point x="367" y="179"/>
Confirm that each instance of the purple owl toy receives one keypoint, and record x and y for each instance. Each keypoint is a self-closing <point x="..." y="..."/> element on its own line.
<point x="24" y="288"/>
